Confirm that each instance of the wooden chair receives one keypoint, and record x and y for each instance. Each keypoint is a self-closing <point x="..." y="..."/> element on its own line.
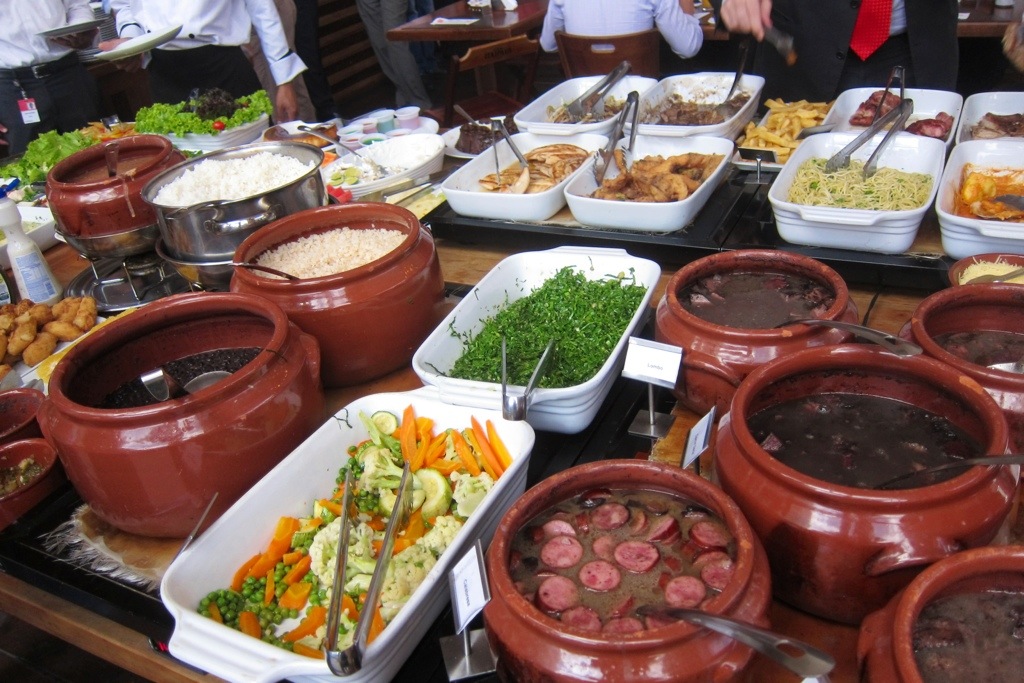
<point x="483" y="58"/>
<point x="594" y="55"/>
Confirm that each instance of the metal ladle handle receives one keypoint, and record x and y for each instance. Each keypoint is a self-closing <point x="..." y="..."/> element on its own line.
<point x="1016" y="459"/>
<point x="890" y="342"/>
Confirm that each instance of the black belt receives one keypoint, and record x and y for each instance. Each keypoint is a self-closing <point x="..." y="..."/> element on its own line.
<point x="43" y="70"/>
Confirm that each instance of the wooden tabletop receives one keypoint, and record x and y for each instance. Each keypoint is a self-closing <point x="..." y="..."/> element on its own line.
<point x="489" y="25"/>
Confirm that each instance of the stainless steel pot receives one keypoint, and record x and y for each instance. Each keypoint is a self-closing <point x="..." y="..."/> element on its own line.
<point x="211" y="231"/>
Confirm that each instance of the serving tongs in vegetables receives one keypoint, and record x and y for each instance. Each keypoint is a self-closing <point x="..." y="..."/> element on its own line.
<point x="592" y="101"/>
<point x="897" y="116"/>
<point x="604" y="156"/>
<point x="350" y="660"/>
<point x="515" y="407"/>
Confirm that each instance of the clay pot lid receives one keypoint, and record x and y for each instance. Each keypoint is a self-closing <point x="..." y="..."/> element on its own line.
<point x="138" y="155"/>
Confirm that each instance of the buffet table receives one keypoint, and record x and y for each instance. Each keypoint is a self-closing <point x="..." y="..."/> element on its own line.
<point x="103" y="632"/>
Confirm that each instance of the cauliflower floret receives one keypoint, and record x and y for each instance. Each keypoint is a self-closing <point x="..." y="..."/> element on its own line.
<point x="407" y="570"/>
<point x="468" y="491"/>
<point x="324" y="549"/>
<point x="441" y="535"/>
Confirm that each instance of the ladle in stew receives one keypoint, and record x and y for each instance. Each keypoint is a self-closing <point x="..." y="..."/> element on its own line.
<point x="162" y="386"/>
<point x="1015" y="459"/>
<point x="889" y="342"/>
<point x="802" y="659"/>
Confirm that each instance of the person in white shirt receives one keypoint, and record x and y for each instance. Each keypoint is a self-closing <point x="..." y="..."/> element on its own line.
<point x="43" y="86"/>
<point x="207" y="52"/>
<point x="679" y="27"/>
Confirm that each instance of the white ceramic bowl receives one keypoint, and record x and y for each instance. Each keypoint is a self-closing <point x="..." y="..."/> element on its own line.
<point x="410" y="156"/>
<point x="703" y="88"/>
<point x="982" y="103"/>
<point x="535" y="118"/>
<point x="466" y="197"/>
<point x="648" y="216"/>
<point x="231" y="137"/>
<point x="307" y="474"/>
<point x="927" y="104"/>
<point x="963" y="237"/>
<point x="568" y="410"/>
<point x="888" y="232"/>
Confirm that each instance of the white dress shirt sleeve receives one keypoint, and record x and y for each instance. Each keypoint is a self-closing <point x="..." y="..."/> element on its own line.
<point x="681" y="31"/>
<point x="78" y="11"/>
<point x="554" y="20"/>
<point x="127" y="25"/>
<point x="284" y="64"/>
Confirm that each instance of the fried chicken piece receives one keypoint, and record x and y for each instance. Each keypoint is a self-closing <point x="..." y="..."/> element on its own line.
<point x="22" y="336"/>
<point x="40" y="349"/>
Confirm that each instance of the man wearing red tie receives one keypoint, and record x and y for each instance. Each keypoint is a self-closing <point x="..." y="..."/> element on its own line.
<point x="849" y="44"/>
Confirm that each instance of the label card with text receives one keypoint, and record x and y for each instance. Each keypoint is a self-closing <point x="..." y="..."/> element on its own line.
<point x="467" y="582"/>
<point x="652" y="362"/>
<point x="699" y="438"/>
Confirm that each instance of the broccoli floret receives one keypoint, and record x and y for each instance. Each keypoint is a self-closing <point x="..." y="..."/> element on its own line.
<point x="408" y="569"/>
<point x="379" y="470"/>
<point x="438" y="538"/>
<point x="469" y="491"/>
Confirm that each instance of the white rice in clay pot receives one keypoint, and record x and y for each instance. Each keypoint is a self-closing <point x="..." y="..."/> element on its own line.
<point x="213" y="180"/>
<point x="330" y="252"/>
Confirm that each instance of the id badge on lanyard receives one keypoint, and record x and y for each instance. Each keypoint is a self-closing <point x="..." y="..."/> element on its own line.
<point x="27" y="107"/>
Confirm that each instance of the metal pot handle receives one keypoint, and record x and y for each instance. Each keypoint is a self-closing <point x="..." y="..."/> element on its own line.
<point x="272" y="213"/>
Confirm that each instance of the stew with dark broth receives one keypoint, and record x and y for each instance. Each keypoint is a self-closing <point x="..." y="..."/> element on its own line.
<point x="755" y="300"/>
<point x="983" y="347"/>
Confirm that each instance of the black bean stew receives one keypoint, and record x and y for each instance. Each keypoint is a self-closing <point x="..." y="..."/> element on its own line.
<point x="755" y="300"/>
<point x="593" y="560"/>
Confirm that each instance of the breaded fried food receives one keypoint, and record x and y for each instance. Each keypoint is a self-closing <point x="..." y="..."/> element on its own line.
<point x="64" y="331"/>
<point x="4" y="370"/>
<point x="65" y="309"/>
<point x="40" y="349"/>
<point x="658" y="179"/>
<point x="85" y="317"/>
<point x="22" y="336"/>
<point x="3" y="344"/>
<point x="41" y="313"/>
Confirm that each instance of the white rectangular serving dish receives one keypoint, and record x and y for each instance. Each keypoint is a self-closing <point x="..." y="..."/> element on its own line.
<point x="232" y="137"/>
<point x="659" y="217"/>
<point x="703" y="88"/>
<point x="568" y="410"/>
<point x="887" y="232"/>
<point x="305" y="475"/>
<point x="39" y="224"/>
<point x="961" y="236"/>
<point x="534" y="117"/>
<point x="979" y="104"/>
<point x="927" y="104"/>
<point x="466" y="197"/>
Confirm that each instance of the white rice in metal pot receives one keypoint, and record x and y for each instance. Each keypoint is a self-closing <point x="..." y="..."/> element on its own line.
<point x="330" y="252"/>
<point x="229" y="179"/>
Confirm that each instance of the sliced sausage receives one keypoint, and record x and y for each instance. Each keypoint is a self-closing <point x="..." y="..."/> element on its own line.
<point x="557" y="594"/>
<point x="610" y="516"/>
<point x="561" y="552"/>
<point x="685" y="591"/>
<point x="594" y="497"/>
<point x="582" y="617"/>
<point x="558" y="527"/>
<point x="604" y="547"/>
<point x="710" y="556"/>
<point x="637" y="520"/>
<point x="636" y="556"/>
<point x="665" y="530"/>
<point x="600" y="576"/>
<point x="710" y="534"/>
<point x="623" y="625"/>
<point x="718" y="574"/>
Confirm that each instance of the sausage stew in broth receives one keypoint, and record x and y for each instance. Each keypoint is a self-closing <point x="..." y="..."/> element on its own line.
<point x="593" y="560"/>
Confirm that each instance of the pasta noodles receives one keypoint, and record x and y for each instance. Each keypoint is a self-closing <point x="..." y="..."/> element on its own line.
<point x="887" y="190"/>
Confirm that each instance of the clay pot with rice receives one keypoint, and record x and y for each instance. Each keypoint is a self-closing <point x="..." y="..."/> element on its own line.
<point x="369" y="319"/>
<point x="717" y="356"/>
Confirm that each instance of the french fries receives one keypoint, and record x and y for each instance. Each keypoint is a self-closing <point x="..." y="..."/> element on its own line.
<point x="783" y="124"/>
<point x="29" y="332"/>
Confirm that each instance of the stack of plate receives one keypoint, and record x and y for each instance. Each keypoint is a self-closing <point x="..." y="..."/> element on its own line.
<point x="410" y="156"/>
<point x="232" y="137"/>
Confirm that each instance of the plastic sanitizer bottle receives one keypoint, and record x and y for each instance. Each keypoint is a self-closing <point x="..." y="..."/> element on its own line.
<point x="34" y="278"/>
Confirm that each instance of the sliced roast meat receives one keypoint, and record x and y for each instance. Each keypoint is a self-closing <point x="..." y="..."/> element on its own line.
<point x="636" y="556"/>
<point x="600" y="575"/>
<point x="865" y="114"/>
<point x="608" y="516"/>
<point x="710" y="535"/>
<point x="604" y="547"/>
<point x="685" y="591"/>
<point x="939" y="127"/>
<point x="561" y="552"/>
<point x="558" y="527"/>
<point x="665" y="530"/>
<point x="623" y="625"/>
<point x="718" y="574"/>
<point x="557" y="594"/>
<point x="581" y="617"/>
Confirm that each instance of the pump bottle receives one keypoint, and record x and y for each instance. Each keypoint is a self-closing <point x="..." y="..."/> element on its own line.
<point x="33" y="276"/>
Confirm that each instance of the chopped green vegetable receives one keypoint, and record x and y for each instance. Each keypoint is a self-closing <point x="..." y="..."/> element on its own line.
<point x="178" y="119"/>
<point x="43" y="153"/>
<point x="585" y="317"/>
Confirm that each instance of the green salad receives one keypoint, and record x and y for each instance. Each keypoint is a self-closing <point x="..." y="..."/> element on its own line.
<point x="43" y="153"/>
<point x="182" y="118"/>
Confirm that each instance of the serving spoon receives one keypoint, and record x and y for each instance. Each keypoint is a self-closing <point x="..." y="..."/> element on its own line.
<point x="983" y="279"/>
<point x="1014" y="459"/>
<point x="890" y="342"/>
<point x="162" y="386"/>
<point x="264" y="269"/>
<point x="801" y="658"/>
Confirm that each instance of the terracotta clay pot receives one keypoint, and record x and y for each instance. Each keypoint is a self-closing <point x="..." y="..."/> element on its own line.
<point x="87" y="202"/>
<point x="152" y="470"/>
<point x="16" y="503"/>
<point x="969" y="309"/>
<point x="716" y="358"/>
<point x="885" y="647"/>
<point x="369" y="320"/>
<point x="532" y="646"/>
<point x="841" y="552"/>
<point x="18" y="408"/>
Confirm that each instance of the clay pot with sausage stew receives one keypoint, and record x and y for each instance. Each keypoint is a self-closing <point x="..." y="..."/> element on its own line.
<point x="576" y="560"/>
<point x="150" y="466"/>
<point x="960" y="620"/>
<point x="809" y="439"/>
<point x="722" y="311"/>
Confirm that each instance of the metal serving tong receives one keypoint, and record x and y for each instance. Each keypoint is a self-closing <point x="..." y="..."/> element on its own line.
<point x="744" y="49"/>
<point x="898" y="116"/>
<point x="604" y="156"/>
<point x="593" y="99"/>
<point x="348" y="661"/>
<point x="523" y="181"/>
<point x="515" y="407"/>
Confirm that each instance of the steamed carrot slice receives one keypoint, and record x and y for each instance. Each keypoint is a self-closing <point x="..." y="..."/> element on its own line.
<point x="243" y="572"/>
<point x="249" y="624"/>
<point x="462" y="449"/>
<point x="486" y="464"/>
<point x="296" y="596"/>
<point x="499" y="446"/>
<point x="292" y="558"/>
<point x="306" y="651"/>
<point x="485" y="446"/>
<point x="215" y="613"/>
<point x="376" y="626"/>
<point x="435" y="449"/>
<point x="407" y="434"/>
<point x="299" y="570"/>
<point x="315" y="617"/>
<point x="446" y="467"/>
<point x="279" y="545"/>
<point x="270" y="591"/>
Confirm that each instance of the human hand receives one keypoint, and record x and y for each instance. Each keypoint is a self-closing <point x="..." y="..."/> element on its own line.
<point x="747" y="16"/>
<point x="129" y="64"/>
<point x="77" y="41"/>
<point x="286" y="105"/>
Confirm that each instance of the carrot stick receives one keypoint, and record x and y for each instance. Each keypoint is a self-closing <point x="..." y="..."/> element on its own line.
<point x="376" y="626"/>
<point x="446" y="467"/>
<point x="306" y="651"/>
<point x="486" y="464"/>
<point x="499" y="446"/>
<point x="269" y="591"/>
<point x="314" y="619"/>
<point x="243" y="572"/>
<point x="462" y="448"/>
<point x="249" y="624"/>
<point x="296" y="596"/>
<point x="407" y="434"/>
<point x="293" y="557"/>
<point x="299" y="570"/>
<point x="435" y="449"/>
<point x="485" y="446"/>
<point x="215" y="613"/>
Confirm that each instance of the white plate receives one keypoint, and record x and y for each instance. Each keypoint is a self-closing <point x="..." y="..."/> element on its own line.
<point x="927" y="104"/>
<point x="229" y="137"/>
<point x="704" y="88"/>
<point x="533" y="118"/>
<point x="983" y="103"/>
<point x="289" y="489"/>
<point x="72" y="29"/>
<point x="659" y="217"/>
<point x="389" y="153"/>
<point x="450" y="138"/>
<point x="140" y="44"/>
